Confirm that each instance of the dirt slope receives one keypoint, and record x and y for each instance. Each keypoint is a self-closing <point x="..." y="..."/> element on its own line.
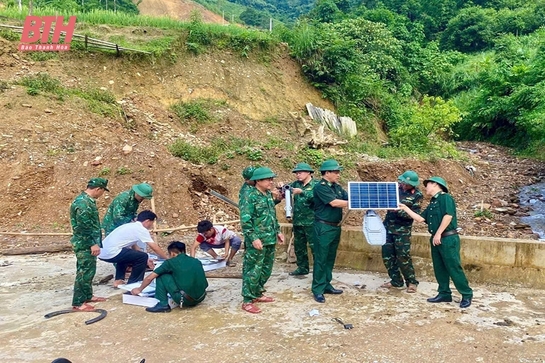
<point x="49" y="148"/>
<point x="178" y="9"/>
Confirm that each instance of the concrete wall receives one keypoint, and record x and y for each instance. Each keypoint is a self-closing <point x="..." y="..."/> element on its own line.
<point x="486" y="260"/>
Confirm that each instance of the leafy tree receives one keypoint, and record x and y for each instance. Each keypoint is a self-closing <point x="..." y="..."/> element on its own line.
<point x="469" y="31"/>
<point x="502" y="100"/>
<point x="254" y="18"/>
<point x="429" y="127"/>
<point x="325" y="11"/>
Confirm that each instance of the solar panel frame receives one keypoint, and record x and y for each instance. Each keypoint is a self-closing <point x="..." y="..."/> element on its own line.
<point x="373" y="195"/>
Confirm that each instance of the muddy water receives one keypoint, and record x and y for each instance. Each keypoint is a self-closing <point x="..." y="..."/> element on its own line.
<point x="533" y="196"/>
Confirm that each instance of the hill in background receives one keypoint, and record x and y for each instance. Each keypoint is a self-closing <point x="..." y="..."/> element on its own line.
<point x="178" y="9"/>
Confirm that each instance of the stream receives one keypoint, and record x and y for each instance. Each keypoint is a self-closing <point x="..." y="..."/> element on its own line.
<point x="533" y="196"/>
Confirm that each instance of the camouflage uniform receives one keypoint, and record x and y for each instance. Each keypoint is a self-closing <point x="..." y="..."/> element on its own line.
<point x="303" y="222"/>
<point x="258" y="221"/>
<point x="396" y="252"/>
<point x="86" y="233"/>
<point x="327" y="233"/>
<point x="122" y="210"/>
<point x="243" y="193"/>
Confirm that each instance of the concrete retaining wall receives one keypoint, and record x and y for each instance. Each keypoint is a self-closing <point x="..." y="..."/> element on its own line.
<point x="485" y="259"/>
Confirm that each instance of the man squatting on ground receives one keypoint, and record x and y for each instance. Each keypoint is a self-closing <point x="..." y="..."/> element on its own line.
<point x="121" y="247"/>
<point x="440" y="216"/>
<point x="261" y="228"/>
<point x="123" y="208"/>
<point x="396" y="252"/>
<point x="329" y="200"/>
<point x="303" y="216"/>
<point x="86" y="242"/>
<point x="211" y="237"/>
<point x="181" y="276"/>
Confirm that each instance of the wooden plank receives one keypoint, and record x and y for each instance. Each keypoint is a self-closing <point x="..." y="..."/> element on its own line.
<point x="216" y="275"/>
<point x="37" y="250"/>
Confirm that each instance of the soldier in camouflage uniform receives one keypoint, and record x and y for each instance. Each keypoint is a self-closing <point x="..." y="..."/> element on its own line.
<point x="123" y="208"/>
<point x="303" y="216"/>
<point x="329" y="200"/>
<point x="396" y="252"/>
<point x="86" y="242"/>
<point x="247" y="185"/>
<point x="260" y="227"/>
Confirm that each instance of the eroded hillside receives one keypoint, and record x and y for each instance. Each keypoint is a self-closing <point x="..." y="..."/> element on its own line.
<point x="50" y="147"/>
<point x="52" y="142"/>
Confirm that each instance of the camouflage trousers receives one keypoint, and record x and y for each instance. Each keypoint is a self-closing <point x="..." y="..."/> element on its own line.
<point x="256" y="269"/>
<point x="396" y="255"/>
<point x="86" y="267"/>
<point x="303" y="236"/>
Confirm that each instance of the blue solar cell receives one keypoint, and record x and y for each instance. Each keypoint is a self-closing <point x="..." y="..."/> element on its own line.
<point x="373" y="195"/>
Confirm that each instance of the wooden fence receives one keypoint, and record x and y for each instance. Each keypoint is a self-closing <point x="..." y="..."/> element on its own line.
<point x="86" y="40"/>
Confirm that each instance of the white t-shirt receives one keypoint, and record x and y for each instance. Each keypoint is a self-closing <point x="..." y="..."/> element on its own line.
<point x="124" y="236"/>
<point x="221" y="235"/>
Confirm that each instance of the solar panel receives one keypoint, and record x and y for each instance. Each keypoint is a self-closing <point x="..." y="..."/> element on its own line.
<point x="373" y="195"/>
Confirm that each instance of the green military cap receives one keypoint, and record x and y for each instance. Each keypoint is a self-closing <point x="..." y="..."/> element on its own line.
<point x="262" y="173"/>
<point x="331" y="165"/>
<point x="247" y="172"/>
<point x="302" y="167"/>
<point x="409" y="177"/>
<point x="144" y="190"/>
<point x="98" y="183"/>
<point x="440" y="181"/>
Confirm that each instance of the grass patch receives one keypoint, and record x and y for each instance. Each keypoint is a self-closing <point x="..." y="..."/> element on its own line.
<point x="196" y="111"/>
<point x="104" y="171"/>
<point x="123" y="171"/>
<point x="219" y="148"/>
<point x="3" y="86"/>
<point x="43" y="83"/>
<point x="195" y="154"/>
<point x="43" y="56"/>
<point x="313" y="157"/>
<point x="100" y="101"/>
<point x="483" y="213"/>
<point x="9" y="35"/>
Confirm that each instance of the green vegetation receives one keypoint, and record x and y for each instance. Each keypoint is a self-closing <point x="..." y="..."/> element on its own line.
<point x="104" y="171"/>
<point x="3" y="86"/>
<point x="43" y="56"/>
<point x="122" y="170"/>
<point x="83" y="6"/>
<point x="99" y="101"/>
<point x="197" y="111"/>
<point x="43" y="83"/>
<point x="483" y="213"/>
<point x="426" y="71"/>
<point x="219" y="148"/>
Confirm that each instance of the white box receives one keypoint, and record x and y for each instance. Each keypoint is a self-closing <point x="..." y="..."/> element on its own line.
<point x="147" y="301"/>
<point x="209" y="265"/>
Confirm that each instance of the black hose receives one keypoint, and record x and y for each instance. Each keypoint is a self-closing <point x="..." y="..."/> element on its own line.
<point x="102" y="315"/>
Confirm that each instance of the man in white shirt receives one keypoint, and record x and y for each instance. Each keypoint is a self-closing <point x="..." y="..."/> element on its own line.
<point x="121" y="247"/>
